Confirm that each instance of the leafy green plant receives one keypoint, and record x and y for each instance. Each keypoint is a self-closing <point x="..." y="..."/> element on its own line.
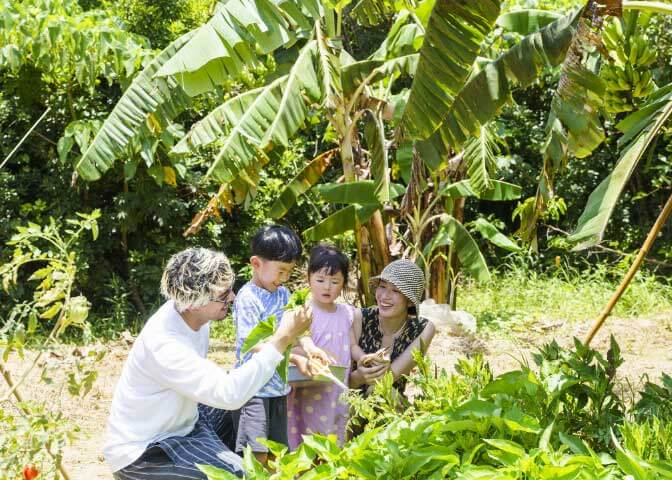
<point x="49" y="254"/>
<point x="523" y="424"/>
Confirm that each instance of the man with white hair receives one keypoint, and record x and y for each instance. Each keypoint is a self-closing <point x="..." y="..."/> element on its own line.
<point x="171" y="407"/>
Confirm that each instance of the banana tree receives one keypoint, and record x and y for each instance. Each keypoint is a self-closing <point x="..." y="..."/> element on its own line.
<point x="454" y="93"/>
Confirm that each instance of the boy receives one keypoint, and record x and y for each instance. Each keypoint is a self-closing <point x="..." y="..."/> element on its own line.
<point x="275" y="250"/>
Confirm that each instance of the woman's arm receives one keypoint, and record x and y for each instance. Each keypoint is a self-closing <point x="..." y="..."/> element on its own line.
<point x="356" y="352"/>
<point x="404" y="363"/>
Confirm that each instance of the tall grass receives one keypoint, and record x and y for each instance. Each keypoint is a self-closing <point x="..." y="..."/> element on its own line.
<point x="517" y="295"/>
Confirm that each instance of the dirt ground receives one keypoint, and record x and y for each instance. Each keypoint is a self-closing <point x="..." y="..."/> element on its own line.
<point x="646" y="345"/>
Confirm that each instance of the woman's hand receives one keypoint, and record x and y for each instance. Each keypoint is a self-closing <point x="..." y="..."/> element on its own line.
<point x="370" y="375"/>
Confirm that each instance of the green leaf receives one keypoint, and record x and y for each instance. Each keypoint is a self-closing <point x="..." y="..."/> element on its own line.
<point x="257" y="119"/>
<point x="602" y="201"/>
<point x="362" y="192"/>
<point x="526" y="21"/>
<point x="309" y="176"/>
<point x="258" y="334"/>
<point x="575" y="444"/>
<point x="452" y="40"/>
<point x="232" y="41"/>
<point x="494" y="236"/>
<point x="480" y="159"/>
<point x="52" y="311"/>
<point x="506" y="446"/>
<point x="374" y="134"/>
<point x="486" y="92"/>
<point x="499" y="191"/>
<point x="339" y="222"/>
<point x="146" y="101"/>
<point x="372" y="71"/>
<point x="452" y="232"/>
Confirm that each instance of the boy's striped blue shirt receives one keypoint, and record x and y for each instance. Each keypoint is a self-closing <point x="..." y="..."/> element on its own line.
<point x="254" y="304"/>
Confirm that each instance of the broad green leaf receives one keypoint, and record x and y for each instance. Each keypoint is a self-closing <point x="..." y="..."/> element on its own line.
<point x="372" y="71"/>
<point x="480" y="159"/>
<point x="485" y="93"/>
<point x="526" y="21"/>
<point x="499" y="191"/>
<point x="601" y="203"/>
<point x="362" y="192"/>
<point x="404" y="37"/>
<point x="147" y="100"/>
<point x="216" y="124"/>
<point x="341" y="221"/>
<point x="575" y="444"/>
<point x="374" y="134"/>
<point x="233" y="40"/>
<point x="257" y="119"/>
<point x="452" y="232"/>
<point x="258" y="334"/>
<point x="309" y="176"/>
<point x="494" y="236"/>
<point x="506" y="446"/>
<point x="452" y="40"/>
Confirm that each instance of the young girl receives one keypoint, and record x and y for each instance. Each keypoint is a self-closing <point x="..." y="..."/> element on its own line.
<point x="317" y="409"/>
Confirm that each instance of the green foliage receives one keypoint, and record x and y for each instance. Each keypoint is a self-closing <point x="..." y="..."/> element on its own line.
<point x="544" y="423"/>
<point x="38" y="436"/>
<point x="520" y="295"/>
<point x="49" y="255"/>
<point x="159" y="21"/>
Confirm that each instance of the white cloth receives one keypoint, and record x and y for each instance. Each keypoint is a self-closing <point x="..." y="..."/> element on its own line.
<point x="164" y="378"/>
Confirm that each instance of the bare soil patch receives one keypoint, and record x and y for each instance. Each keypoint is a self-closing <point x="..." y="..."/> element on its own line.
<point x="646" y="345"/>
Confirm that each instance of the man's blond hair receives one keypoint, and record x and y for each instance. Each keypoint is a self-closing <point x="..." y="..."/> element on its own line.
<point x="196" y="276"/>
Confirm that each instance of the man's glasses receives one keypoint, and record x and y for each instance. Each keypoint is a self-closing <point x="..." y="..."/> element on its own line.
<point x="224" y="297"/>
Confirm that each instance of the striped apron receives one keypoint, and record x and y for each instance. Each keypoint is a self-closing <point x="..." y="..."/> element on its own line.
<point x="176" y="457"/>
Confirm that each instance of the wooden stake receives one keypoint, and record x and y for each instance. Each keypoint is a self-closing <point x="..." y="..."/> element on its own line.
<point x="651" y="237"/>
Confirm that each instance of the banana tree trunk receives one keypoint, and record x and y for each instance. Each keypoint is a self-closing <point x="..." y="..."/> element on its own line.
<point x="362" y="239"/>
<point x="380" y="246"/>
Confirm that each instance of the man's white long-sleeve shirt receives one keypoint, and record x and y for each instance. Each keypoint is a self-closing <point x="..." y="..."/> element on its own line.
<point x="164" y="378"/>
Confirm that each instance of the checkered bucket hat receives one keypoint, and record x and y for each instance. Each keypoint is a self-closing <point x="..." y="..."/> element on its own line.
<point x="406" y="276"/>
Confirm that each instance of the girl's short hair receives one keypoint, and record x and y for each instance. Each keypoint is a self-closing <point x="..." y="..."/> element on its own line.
<point x="196" y="276"/>
<point x="328" y="256"/>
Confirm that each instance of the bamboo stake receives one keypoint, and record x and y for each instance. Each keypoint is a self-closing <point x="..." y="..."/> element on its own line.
<point x="15" y="391"/>
<point x="651" y="237"/>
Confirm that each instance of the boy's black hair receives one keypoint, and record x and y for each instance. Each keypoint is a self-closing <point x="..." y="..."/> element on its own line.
<point x="329" y="257"/>
<point x="276" y="243"/>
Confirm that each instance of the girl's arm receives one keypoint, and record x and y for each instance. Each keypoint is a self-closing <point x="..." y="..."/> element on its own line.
<point x="404" y="363"/>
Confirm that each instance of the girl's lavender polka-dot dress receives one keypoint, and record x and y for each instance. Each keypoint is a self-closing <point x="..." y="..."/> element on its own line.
<point x="318" y="409"/>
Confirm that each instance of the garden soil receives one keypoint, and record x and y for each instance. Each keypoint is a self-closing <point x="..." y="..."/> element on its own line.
<point x="646" y="345"/>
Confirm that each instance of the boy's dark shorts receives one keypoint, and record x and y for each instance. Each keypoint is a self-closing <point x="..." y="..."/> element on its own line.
<point x="261" y="418"/>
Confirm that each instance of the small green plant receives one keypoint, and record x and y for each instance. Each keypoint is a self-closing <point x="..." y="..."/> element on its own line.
<point x="48" y="255"/>
<point x="527" y="424"/>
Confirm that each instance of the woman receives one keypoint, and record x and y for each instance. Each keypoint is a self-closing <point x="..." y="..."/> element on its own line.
<point x="392" y="324"/>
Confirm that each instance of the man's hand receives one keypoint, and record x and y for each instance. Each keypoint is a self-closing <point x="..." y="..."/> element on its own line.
<point x="302" y="363"/>
<point x="293" y="324"/>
